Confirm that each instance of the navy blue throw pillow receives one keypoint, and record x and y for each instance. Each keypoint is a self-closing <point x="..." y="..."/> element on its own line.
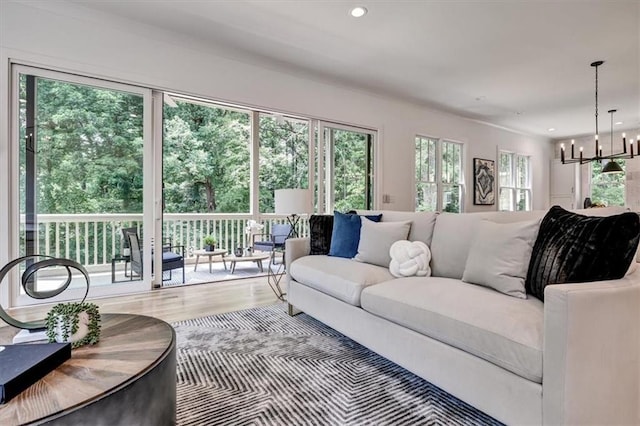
<point x="345" y="236"/>
<point x="572" y="248"/>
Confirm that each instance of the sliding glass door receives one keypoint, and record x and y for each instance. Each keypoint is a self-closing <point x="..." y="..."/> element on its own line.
<point x="95" y="164"/>
<point x="79" y="149"/>
<point x="206" y="182"/>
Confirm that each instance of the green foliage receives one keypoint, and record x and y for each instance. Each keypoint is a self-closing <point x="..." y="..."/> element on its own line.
<point x="66" y="314"/>
<point x="209" y="240"/>
<point x="206" y="159"/>
<point x="89" y="146"/>
<point x="349" y="170"/>
<point x="284" y="157"/>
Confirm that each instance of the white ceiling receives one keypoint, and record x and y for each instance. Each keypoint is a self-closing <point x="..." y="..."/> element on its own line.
<point x="523" y="64"/>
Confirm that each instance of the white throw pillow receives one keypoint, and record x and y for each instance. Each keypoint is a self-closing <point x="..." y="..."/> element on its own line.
<point x="376" y="240"/>
<point x="499" y="256"/>
<point x="410" y="259"/>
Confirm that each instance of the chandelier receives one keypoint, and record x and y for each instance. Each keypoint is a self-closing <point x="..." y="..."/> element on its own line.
<point x="612" y="166"/>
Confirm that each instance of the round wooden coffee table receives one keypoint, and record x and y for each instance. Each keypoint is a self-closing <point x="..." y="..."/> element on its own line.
<point x="128" y="378"/>
<point x="210" y="254"/>
<point x="256" y="257"/>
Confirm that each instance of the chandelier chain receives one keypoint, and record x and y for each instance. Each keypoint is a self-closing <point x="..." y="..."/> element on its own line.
<point x="596" y="67"/>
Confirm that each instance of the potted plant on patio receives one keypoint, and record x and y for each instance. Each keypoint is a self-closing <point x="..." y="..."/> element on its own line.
<point x="209" y="243"/>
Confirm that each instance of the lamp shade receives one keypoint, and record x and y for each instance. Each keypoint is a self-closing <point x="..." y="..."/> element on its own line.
<point x="612" y="167"/>
<point x="292" y="201"/>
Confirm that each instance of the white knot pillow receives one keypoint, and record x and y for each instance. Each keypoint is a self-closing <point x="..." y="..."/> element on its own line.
<point x="409" y="259"/>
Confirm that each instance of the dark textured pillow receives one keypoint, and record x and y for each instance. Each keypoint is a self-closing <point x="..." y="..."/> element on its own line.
<point x="345" y="235"/>
<point x="572" y="248"/>
<point x="320" y="229"/>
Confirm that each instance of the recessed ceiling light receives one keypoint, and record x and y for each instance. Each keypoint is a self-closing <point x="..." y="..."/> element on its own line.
<point x="552" y="129"/>
<point x="358" y="12"/>
<point x="618" y="123"/>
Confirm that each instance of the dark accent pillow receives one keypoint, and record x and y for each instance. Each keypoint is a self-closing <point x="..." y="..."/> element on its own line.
<point x="320" y="229"/>
<point x="345" y="235"/>
<point x="572" y="248"/>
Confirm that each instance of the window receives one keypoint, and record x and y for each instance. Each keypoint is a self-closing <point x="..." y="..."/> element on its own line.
<point x="349" y="155"/>
<point x="439" y="177"/>
<point x="515" y="182"/>
<point x="284" y="156"/>
<point x="206" y="158"/>
<point x="607" y="189"/>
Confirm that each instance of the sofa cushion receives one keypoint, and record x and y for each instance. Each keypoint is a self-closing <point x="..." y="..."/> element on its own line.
<point x="345" y="235"/>
<point x="341" y="278"/>
<point x="499" y="256"/>
<point x="451" y="242"/>
<point x="505" y="331"/>
<point x="572" y="248"/>
<point x="376" y="240"/>
<point x="422" y="223"/>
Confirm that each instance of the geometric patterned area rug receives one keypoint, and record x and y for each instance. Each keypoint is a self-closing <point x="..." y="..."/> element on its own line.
<point x="262" y="367"/>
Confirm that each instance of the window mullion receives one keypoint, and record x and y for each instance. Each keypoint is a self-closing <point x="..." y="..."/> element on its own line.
<point x="438" y="163"/>
<point x="254" y="155"/>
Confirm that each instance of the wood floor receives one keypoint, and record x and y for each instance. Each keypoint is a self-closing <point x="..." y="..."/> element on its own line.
<point x="178" y="303"/>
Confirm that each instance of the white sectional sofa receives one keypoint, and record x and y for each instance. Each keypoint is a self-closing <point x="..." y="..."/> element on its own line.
<point x="573" y="359"/>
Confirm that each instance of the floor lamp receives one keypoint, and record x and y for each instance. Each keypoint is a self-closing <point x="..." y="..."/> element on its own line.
<point x="292" y="202"/>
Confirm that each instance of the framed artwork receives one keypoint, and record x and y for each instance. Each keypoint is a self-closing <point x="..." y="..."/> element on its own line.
<point x="484" y="175"/>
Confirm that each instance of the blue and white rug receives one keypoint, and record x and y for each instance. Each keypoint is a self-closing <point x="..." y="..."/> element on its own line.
<point x="262" y="367"/>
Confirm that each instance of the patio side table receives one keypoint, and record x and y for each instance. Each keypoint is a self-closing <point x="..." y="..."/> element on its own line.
<point x="274" y="276"/>
<point x="209" y="255"/>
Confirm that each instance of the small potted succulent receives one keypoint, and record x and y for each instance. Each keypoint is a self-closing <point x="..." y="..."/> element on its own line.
<point x="209" y="243"/>
<point x="78" y="323"/>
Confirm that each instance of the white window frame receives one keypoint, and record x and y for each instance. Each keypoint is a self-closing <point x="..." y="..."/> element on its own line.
<point x="514" y="186"/>
<point x="440" y="185"/>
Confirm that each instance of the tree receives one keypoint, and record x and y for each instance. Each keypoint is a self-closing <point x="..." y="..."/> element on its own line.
<point x="89" y="149"/>
<point x="206" y="159"/>
<point x="284" y="157"/>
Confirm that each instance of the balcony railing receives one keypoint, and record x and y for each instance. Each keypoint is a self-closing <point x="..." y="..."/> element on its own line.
<point x="94" y="239"/>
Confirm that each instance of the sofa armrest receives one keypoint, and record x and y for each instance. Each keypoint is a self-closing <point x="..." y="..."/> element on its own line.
<point x="591" y="352"/>
<point x="294" y="249"/>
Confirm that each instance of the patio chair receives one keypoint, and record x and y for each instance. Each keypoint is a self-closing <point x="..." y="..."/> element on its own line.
<point x="170" y="259"/>
<point x="273" y="241"/>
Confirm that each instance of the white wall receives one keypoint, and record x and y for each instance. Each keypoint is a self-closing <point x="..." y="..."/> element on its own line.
<point x="61" y="36"/>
